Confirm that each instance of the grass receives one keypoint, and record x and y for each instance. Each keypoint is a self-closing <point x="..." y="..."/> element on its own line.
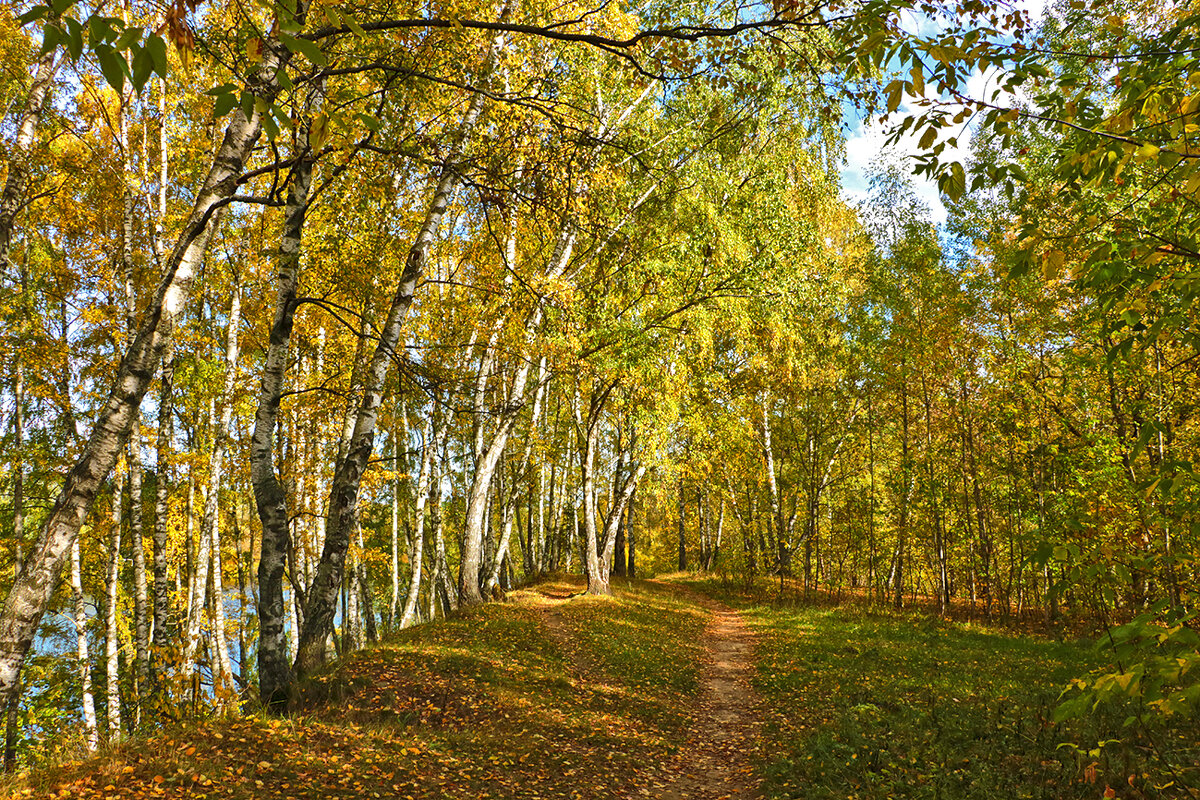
<point x="863" y="703"/>
<point x="592" y="698"/>
<point x="487" y="704"/>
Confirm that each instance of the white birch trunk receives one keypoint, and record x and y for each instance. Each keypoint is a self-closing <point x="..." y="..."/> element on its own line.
<point x="208" y="553"/>
<point x="12" y="199"/>
<point x="277" y="650"/>
<point x="416" y="553"/>
<point x="343" y="500"/>
<point x="133" y="455"/>
<point x="82" y="661"/>
<point x="112" y="646"/>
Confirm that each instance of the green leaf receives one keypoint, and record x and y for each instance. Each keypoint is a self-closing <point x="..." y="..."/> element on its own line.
<point x="1070" y="709"/>
<point x="100" y="29"/>
<point x="226" y="102"/>
<point x="51" y="37"/>
<point x="318" y="131"/>
<point x="339" y="17"/>
<point x="1147" y="151"/>
<point x="305" y="47"/>
<point x="73" y="37"/>
<point x="128" y="38"/>
<point x="270" y="126"/>
<point x="141" y="68"/>
<point x="247" y="104"/>
<point x="918" y="81"/>
<point x="112" y="66"/>
<point x="157" y="49"/>
<point x="352" y="24"/>
<point x="955" y="182"/>
<point x="33" y="14"/>
<point x="894" y="91"/>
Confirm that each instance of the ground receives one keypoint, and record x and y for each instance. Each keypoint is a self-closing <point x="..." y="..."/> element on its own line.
<point x="676" y="690"/>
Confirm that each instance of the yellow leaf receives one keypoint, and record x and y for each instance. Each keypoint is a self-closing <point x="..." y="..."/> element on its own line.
<point x="918" y="81"/>
<point x="1052" y="263"/>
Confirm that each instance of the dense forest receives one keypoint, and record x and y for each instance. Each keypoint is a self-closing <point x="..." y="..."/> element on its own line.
<point x="324" y="320"/>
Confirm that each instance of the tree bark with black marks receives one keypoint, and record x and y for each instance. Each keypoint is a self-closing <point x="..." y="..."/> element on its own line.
<point x="16" y="184"/>
<point x="32" y="589"/>
<point x="274" y="659"/>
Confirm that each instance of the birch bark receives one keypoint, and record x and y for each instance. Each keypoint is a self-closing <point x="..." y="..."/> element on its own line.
<point x="274" y="655"/>
<point x="133" y="456"/>
<point x="416" y="553"/>
<point x="82" y="661"/>
<point x="12" y="199"/>
<point x="112" y="645"/>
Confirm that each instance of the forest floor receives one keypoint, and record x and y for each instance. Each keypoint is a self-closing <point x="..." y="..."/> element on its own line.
<point x="683" y="690"/>
<point x="536" y="697"/>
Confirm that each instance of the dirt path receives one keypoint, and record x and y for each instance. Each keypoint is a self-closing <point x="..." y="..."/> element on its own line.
<point x="717" y="761"/>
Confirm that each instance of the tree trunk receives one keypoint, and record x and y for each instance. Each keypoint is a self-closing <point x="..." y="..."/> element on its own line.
<point x="133" y="457"/>
<point x="208" y="552"/>
<point x="596" y="572"/>
<point x="716" y="550"/>
<point x="112" y="645"/>
<point x="488" y="457"/>
<point x="784" y="555"/>
<point x="416" y="553"/>
<point x="509" y="507"/>
<point x="613" y="521"/>
<point x="595" y="562"/>
<point x="141" y="598"/>
<point x="630" y="540"/>
<point x="446" y="588"/>
<point x="399" y="467"/>
<point x="905" y="492"/>
<point x="12" y="199"/>
<point x="18" y="505"/>
<point x="83" y="663"/>
<point x="162" y="495"/>
<point x="681" y="563"/>
<point x="274" y="655"/>
<point x="223" y="687"/>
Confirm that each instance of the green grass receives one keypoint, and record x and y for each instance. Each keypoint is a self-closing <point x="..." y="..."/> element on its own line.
<point x="862" y="703"/>
<point x="591" y="698"/>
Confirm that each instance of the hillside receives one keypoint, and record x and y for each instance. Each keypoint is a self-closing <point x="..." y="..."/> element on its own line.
<point x="657" y="691"/>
